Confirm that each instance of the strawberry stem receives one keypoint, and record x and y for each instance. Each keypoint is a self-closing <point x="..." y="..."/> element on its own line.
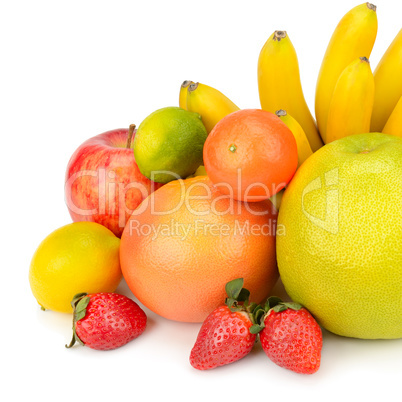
<point x="257" y="313"/>
<point x="237" y="294"/>
<point x="272" y="303"/>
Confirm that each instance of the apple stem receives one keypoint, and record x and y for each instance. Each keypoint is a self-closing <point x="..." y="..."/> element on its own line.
<point x="130" y="135"/>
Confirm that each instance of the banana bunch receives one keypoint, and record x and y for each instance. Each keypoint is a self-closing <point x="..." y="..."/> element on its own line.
<point x="353" y="38"/>
<point x="349" y="97"/>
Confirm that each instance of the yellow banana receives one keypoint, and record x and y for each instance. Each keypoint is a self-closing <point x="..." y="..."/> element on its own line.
<point x="183" y="94"/>
<point x="277" y="199"/>
<point x="210" y="103"/>
<point x="199" y="172"/>
<point x="388" y="83"/>
<point x="353" y="37"/>
<point x="352" y="101"/>
<point x="303" y="146"/>
<point x="279" y="84"/>
<point x="394" y="123"/>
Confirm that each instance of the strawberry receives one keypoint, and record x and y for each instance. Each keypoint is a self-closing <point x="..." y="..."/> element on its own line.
<point x="105" y="321"/>
<point x="290" y="336"/>
<point x="225" y="335"/>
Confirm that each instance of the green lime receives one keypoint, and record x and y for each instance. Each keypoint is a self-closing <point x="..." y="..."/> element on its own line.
<point x="168" y="144"/>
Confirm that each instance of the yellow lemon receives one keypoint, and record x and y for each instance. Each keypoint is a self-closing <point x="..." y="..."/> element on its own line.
<point x="339" y="236"/>
<point x="79" y="257"/>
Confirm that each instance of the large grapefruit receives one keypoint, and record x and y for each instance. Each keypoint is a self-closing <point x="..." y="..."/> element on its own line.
<point x="187" y="240"/>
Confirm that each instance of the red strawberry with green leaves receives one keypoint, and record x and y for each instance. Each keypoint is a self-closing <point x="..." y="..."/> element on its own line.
<point x="105" y="321"/>
<point x="225" y="335"/>
<point x="290" y="336"/>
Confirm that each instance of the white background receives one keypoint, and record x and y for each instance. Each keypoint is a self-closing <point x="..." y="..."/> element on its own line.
<point x="74" y="69"/>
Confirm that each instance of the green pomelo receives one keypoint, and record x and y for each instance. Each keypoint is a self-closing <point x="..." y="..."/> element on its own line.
<point x="339" y="236"/>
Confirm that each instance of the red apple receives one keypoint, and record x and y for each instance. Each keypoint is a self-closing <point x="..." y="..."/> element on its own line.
<point x="103" y="182"/>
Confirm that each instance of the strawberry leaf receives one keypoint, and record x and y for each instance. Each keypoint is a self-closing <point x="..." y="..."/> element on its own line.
<point x="230" y="302"/>
<point x="272" y="302"/>
<point x="82" y="305"/>
<point x="79" y="303"/>
<point x="259" y="315"/>
<point x="293" y="305"/>
<point x="255" y="329"/>
<point x="243" y="295"/>
<point x="251" y="307"/>
<point x="78" y="316"/>
<point x="234" y="288"/>
<point x="235" y="308"/>
<point x="279" y="307"/>
<point x="77" y="298"/>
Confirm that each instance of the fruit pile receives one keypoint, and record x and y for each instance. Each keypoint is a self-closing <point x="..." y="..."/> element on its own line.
<point x="205" y="205"/>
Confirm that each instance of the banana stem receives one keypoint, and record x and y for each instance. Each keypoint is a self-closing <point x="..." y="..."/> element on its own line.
<point x="278" y="35"/>
<point x="185" y="83"/>
<point x="193" y="87"/>
<point x="281" y="113"/>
